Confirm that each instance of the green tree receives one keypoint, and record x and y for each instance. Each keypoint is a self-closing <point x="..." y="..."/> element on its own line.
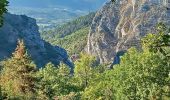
<point x="141" y="75"/>
<point x="70" y="96"/>
<point x="157" y="42"/>
<point x="3" y="9"/>
<point x="84" y="68"/>
<point x="148" y="71"/>
<point x="54" y="81"/>
<point x="17" y="77"/>
<point x="46" y="84"/>
<point x="100" y="89"/>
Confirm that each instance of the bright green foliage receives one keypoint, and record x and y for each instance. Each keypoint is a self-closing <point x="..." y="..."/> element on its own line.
<point x="77" y="41"/>
<point x="68" y="28"/>
<point x="46" y="83"/>
<point x="155" y="42"/>
<point x="65" y="80"/>
<point x="64" y="70"/>
<point x="17" y="77"/>
<point x="70" y="96"/>
<point x="54" y="81"/>
<point x="3" y="5"/>
<point x="140" y="75"/>
<point x="73" y="33"/>
<point x="84" y="69"/>
<point x="101" y="88"/>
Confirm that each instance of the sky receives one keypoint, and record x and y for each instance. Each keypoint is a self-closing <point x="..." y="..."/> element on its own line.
<point x="74" y="4"/>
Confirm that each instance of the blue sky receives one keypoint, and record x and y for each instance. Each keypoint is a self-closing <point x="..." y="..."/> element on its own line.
<point x="74" y="4"/>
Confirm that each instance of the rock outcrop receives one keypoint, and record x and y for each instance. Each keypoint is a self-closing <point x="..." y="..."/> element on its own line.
<point x="22" y="27"/>
<point x="120" y="25"/>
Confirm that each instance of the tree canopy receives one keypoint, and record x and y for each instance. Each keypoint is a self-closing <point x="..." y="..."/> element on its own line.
<point x="3" y="9"/>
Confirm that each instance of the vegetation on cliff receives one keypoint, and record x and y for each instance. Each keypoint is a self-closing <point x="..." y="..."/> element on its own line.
<point x="73" y="33"/>
<point x="143" y="74"/>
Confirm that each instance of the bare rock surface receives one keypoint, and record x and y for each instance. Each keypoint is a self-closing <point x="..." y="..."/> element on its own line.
<point x="22" y="27"/>
<point x="120" y="25"/>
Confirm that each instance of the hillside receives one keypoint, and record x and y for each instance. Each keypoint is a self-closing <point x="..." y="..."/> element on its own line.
<point x="73" y="33"/>
<point x="26" y="28"/>
<point x="119" y="26"/>
<point x="121" y="52"/>
<point x="47" y="18"/>
<point x="75" y="42"/>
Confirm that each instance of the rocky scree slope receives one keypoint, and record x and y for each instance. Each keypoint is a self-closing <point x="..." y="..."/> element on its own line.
<point x="22" y="27"/>
<point x="120" y="25"/>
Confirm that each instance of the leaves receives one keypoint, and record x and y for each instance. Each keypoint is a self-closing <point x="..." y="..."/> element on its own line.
<point x="17" y="78"/>
<point x="3" y="5"/>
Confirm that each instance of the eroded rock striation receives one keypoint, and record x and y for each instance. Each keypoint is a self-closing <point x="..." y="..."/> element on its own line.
<point x="22" y="27"/>
<point x="120" y="25"/>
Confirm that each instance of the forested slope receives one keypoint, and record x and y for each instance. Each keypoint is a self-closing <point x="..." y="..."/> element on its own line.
<point x="72" y="36"/>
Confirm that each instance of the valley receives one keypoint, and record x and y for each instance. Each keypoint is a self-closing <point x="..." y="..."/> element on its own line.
<point x="84" y="50"/>
<point x="48" y="18"/>
<point x="56" y="13"/>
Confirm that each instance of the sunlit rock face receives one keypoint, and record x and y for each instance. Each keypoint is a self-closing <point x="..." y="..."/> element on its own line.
<point x="120" y="25"/>
<point x="22" y="27"/>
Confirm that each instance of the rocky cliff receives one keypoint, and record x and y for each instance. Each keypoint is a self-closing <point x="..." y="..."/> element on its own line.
<point x="22" y="27"/>
<point x="120" y="25"/>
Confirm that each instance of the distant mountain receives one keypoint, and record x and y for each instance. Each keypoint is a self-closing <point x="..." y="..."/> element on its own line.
<point x="73" y="4"/>
<point x="51" y="13"/>
<point x="47" y="18"/>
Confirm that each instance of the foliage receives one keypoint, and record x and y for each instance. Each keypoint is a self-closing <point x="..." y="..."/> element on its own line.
<point x="73" y="33"/>
<point x="68" y="28"/>
<point x="77" y="41"/>
<point x="84" y="69"/>
<point x="17" y="76"/>
<point x="155" y="42"/>
<point x="100" y="88"/>
<point x="54" y="82"/>
<point x="3" y="5"/>
<point x="141" y="75"/>
<point x="70" y="96"/>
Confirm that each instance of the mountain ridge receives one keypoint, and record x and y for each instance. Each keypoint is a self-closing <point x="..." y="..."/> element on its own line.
<point x="119" y="26"/>
<point x="25" y="28"/>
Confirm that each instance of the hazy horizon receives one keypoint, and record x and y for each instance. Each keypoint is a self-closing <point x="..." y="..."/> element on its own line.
<point x="71" y="4"/>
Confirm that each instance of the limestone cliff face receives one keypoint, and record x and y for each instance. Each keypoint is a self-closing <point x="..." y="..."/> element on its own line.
<point x="120" y="25"/>
<point x="22" y="27"/>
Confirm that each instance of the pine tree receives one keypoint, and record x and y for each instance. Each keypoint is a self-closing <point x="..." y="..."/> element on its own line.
<point x="54" y="82"/>
<point x="17" y="78"/>
<point x="84" y="69"/>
